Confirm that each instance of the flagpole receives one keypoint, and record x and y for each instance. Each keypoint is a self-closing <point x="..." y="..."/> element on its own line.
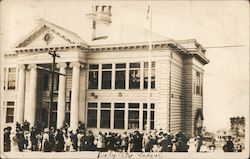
<point x="149" y="66"/>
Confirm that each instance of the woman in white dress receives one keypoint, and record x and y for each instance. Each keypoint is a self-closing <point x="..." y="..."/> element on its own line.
<point x="14" y="141"/>
<point x="192" y="145"/>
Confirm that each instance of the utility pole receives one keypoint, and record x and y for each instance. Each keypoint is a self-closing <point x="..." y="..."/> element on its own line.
<point x="54" y="55"/>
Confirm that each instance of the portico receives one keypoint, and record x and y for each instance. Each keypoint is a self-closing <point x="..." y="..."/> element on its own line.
<point x="29" y="93"/>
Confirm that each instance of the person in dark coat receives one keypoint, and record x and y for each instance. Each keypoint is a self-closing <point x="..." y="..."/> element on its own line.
<point x="90" y="141"/>
<point x="7" y="139"/>
<point x="229" y="146"/>
<point x="180" y="146"/>
<point x="166" y="143"/>
<point x="34" y="140"/>
<point x="26" y="125"/>
<point x="18" y="126"/>
<point x="136" y="142"/>
<point x="59" y="141"/>
<point x="52" y="139"/>
<point x="73" y="137"/>
<point x="47" y="147"/>
<point x="199" y="143"/>
<point x="20" y="140"/>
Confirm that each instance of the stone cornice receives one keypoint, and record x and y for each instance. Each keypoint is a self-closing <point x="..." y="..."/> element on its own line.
<point x="128" y="46"/>
<point x="61" y="65"/>
<point x="76" y="64"/>
<point x="49" y="48"/>
<point x="21" y="67"/>
<point x="109" y="48"/>
<point x="32" y="66"/>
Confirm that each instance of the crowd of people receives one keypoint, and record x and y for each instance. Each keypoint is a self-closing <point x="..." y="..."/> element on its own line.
<point x="37" y="138"/>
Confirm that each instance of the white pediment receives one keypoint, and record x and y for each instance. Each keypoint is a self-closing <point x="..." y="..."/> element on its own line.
<point x="48" y="34"/>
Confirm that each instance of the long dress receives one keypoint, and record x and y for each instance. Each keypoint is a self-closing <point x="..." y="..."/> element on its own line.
<point x="14" y="142"/>
<point x="192" y="145"/>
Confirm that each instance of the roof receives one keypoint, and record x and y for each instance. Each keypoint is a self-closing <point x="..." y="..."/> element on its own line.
<point x="117" y="36"/>
<point x="128" y="34"/>
<point x="64" y="33"/>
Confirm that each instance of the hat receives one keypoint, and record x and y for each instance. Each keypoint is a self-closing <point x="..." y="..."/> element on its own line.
<point x="12" y="131"/>
<point x="46" y="130"/>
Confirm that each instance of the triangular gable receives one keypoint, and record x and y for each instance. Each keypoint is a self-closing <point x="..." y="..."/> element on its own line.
<point x="49" y="34"/>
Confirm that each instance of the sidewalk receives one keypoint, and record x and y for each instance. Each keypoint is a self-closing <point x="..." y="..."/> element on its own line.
<point x="119" y="155"/>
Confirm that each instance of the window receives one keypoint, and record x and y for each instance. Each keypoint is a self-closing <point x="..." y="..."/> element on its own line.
<point x="102" y="116"/>
<point x="149" y="112"/>
<point x="119" y="115"/>
<point x="67" y="113"/>
<point x="93" y="76"/>
<point x="10" y="78"/>
<point x="105" y="115"/>
<point x="134" y="76"/>
<point x="92" y="115"/>
<point x="56" y="82"/>
<point x="197" y="84"/>
<point x="106" y="76"/>
<point x="45" y="81"/>
<point x="133" y="116"/>
<point x="10" y="112"/>
<point x="145" y="75"/>
<point x="120" y="76"/>
<point x="4" y="80"/>
<point x="53" y="119"/>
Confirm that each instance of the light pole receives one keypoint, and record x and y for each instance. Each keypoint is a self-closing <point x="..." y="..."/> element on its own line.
<point x="54" y="55"/>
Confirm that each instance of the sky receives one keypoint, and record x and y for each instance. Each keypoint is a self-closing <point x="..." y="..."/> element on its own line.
<point x="211" y="23"/>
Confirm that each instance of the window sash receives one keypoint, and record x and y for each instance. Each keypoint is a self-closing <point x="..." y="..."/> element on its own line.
<point x="106" y="79"/>
<point x="105" y="119"/>
<point x="9" y="115"/>
<point x="92" y="118"/>
<point x="120" y="79"/>
<point x="93" y="80"/>
<point x="11" y="81"/>
<point x="119" y="122"/>
<point x="134" y="79"/>
<point x="133" y="119"/>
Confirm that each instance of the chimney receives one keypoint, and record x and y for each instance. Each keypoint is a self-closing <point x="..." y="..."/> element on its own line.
<point x="101" y="19"/>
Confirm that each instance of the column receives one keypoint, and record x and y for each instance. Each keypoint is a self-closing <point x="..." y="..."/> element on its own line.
<point x="74" y="95"/>
<point x="61" y="95"/>
<point x="31" y="116"/>
<point x="21" y="93"/>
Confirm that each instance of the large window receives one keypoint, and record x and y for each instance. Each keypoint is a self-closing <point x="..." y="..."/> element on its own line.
<point x="119" y="115"/>
<point x="56" y="82"/>
<point x="133" y="116"/>
<point x="124" y="116"/>
<point x="10" y="78"/>
<point x="93" y="76"/>
<point x="134" y="76"/>
<point x="53" y="119"/>
<point x="4" y="78"/>
<point x="45" y="81"/>
<point x="145" y="75"/>
<point x="120" y="76"/>
<point x="148" y="112"/>
<point x="106" y="76"/>
<point x="197" y="84"/>
<point x="67" y="113"/>
<point x="92" y="115"/>
<point x="10" y="112"/>
<point x="105" y="115"/>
